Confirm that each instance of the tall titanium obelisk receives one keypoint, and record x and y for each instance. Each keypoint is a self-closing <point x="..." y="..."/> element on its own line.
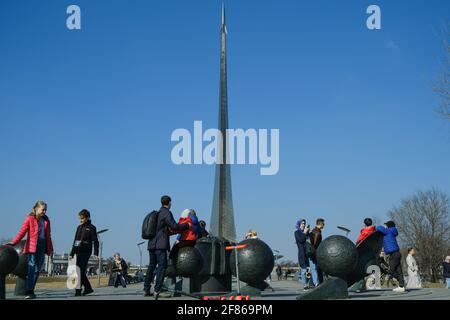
<point x="222" y="217"/>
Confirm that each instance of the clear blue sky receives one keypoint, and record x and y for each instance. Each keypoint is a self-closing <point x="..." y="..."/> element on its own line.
<point x="86" y="116"/>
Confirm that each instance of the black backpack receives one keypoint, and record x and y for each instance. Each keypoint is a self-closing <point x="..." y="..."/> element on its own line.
<point x="310" y="251"/>
<point x="149" y="225"/>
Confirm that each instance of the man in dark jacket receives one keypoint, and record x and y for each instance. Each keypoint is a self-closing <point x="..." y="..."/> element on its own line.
<point x="159" y="245"/>
<point x="301" y="234"/>
<point x="392" y="252"/>
<point x="316" y="239"/>
<point x="85" y="237"/>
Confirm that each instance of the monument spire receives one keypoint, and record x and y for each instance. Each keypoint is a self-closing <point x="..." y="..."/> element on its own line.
<point x="222" y="216"/>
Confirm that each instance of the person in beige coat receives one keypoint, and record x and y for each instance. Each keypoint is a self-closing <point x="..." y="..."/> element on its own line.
<point x="413" y="271"/>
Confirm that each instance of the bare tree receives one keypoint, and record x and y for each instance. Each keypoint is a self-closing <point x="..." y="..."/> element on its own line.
<point x="443" y="86"/>
<point x="423" y="222"/>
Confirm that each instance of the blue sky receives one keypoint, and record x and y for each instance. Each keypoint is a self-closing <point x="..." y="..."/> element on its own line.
<point x="86" y="116"/>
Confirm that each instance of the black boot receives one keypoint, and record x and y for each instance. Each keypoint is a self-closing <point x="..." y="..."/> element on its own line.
<point x="77" y="292"/>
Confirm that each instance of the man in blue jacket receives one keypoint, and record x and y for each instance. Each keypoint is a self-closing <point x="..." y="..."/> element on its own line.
<point x="392" y="251"/>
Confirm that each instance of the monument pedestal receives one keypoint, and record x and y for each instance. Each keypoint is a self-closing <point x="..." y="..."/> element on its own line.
<point x="332" y="288"/>
<point x="256" y="289"/>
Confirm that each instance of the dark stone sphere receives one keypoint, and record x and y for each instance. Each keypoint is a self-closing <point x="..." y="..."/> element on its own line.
<point x="8" y="259"/>
<point x="255" y="261"/>
<point x="337" y="256"/>
<point x="21" y="269"/>
<point x="188" y="262"/>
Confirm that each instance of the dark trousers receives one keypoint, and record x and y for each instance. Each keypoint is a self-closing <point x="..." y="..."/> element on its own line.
<point x="158" y="264"/>
<point x="120" y="278"/>
<point x="395" y="267"/>
<point x="82" y="263"/>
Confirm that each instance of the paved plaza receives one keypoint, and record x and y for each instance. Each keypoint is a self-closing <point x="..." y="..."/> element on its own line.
<point x="282" y="290"/>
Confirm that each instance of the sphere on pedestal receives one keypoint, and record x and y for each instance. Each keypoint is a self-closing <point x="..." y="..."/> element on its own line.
<point x="337" y="256"/>
<point x="188" y="262"/>
<point x="255" y="261"/>
<point x="8" y="259"/>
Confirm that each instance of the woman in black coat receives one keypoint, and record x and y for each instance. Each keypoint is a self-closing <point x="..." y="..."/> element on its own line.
<point x="301" y="235"/>
<point x="120" y="269"/>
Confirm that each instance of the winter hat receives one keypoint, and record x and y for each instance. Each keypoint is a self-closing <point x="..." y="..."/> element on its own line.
<point x="390" y="224"/>
<point x="185" y="213"/>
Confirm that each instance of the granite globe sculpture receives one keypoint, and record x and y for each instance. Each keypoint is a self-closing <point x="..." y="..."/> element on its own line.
<point x="337" y="256"/>
<point x="188" y="262"/>
<point x="256" y="262"/>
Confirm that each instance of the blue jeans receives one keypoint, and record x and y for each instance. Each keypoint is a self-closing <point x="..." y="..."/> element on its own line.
<point x="314" y="275"/>
<point x="158" y="261"/>
<point x="447" y="280"/>
<point x="35" y="263"/>
<point x="303" y="275"/>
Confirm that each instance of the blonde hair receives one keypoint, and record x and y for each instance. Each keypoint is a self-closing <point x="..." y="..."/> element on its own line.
<point x="40" y="204"/>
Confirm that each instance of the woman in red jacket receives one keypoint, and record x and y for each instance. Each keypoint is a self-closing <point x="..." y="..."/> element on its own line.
<point x="39" y="243"/>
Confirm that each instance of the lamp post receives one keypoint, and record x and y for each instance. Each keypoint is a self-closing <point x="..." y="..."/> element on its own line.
<point x="100" y="254"/>
<point x="140" y="254"/>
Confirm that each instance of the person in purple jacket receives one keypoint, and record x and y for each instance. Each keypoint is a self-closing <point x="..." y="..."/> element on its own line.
<point x="392" y="252"/>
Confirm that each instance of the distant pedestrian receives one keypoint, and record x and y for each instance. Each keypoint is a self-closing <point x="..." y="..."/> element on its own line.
<point x="301" y="235"/>
<point x="251" y="234"/>
<point x="366" y="231"/>
<point x="392" y="252"/>
<point x="413" y="270"/>
<point x="316" y="238"/>
<point x="203" y="232"/>
<point x="38" y="243"/>
<point x="279" y="272"/>
<point x="446" y="269"/>
<point x="85" y="238"/>
<point x="120" y="269"/>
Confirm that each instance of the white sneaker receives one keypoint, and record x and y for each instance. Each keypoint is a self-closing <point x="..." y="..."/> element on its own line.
<point x="399" y="289"/>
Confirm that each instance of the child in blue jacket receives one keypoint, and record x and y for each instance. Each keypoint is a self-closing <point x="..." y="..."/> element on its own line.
<point x="392" y="251"/>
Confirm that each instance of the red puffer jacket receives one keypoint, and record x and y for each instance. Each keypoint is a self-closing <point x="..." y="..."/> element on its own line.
<point x="31" y="226"/>
<point x="365" y="232"/>
<point x="187" y="234"/>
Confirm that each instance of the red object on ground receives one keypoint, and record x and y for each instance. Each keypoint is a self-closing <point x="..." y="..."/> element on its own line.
<point x="242" y="246"/>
